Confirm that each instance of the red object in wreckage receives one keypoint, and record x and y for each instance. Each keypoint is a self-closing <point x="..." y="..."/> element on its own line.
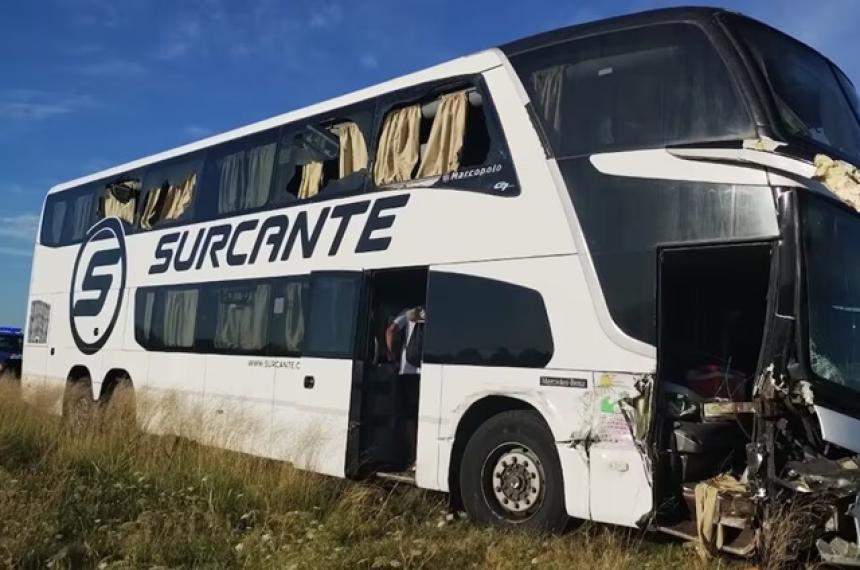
<point x="715" y="381"/>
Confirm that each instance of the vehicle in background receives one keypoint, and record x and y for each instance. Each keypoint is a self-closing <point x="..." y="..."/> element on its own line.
<point x="634" y="241"/>
<point x="11" y="348"/>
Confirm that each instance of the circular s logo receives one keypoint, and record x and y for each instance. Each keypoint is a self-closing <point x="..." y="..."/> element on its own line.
<point x="98" y="285"/>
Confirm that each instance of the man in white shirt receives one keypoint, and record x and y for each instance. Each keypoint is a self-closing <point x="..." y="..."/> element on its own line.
<point x="403" y="327"/>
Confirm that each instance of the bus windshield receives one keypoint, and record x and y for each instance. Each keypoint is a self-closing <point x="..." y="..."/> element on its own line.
<point x="814" y="99"/>
<point x="10" y="343"/>
<point x="831" y="233"/>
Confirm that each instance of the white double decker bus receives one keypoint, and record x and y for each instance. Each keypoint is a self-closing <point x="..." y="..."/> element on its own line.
<point x="630" y="239"/>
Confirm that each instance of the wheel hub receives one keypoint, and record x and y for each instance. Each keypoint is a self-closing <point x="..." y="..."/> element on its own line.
<point x="517" y="481"/>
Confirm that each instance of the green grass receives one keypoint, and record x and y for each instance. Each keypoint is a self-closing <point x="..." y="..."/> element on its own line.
<point x="109" y="497"/>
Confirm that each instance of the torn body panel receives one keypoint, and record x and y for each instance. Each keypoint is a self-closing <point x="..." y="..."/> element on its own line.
<point x="620" y="463"/>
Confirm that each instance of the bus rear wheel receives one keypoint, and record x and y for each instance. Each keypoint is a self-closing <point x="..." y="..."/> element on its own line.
<point x="77" y="403"/>
<point x="510" y="475"/>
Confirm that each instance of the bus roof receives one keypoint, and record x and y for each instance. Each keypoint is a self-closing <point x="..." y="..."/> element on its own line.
<point x="664" y="15"/>
<point x="474" y="63"/>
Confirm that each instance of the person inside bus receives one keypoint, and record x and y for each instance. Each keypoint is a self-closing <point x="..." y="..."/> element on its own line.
<point x="404" y="338"/>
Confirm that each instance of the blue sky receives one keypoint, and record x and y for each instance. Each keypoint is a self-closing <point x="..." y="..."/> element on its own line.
<point x="88" y="84"/>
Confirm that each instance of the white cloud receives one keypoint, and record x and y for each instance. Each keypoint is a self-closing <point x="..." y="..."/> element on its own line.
<point x="19" y="227"/>
<point x="34" y="105"/>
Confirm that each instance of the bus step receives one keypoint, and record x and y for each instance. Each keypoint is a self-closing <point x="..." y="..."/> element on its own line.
<point x="407" y="477"/>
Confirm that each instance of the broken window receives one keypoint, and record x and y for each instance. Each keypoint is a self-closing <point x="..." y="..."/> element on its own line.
<point x="169" y="191"/>
<point x="327" y="157"/>
<point x="397" y="152"/>
<point x="119" y="199"/>
<point x="433" y="138"/>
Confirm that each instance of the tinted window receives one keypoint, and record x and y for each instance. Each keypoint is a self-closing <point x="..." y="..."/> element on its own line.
<point x="333" y="311"/>
<point x="10" y="343"/>
<point x="239" y="173"/>
<point x="262" y="316"/>
<point x="831" y="233"/>
<point x="69" y="214"/>
<point x="472" y="320"/>
<point x="289" y="313"/>
<point x="166" y="318"/>
<point x="806" y="89"/>
<point x="646" y="87"/>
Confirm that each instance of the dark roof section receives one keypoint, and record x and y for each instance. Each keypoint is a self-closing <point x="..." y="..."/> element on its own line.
<point x="687" y="14"/>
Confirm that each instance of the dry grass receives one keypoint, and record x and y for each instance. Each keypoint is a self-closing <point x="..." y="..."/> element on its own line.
<point x="110" y="497"/>
<point x="791" y="529"/>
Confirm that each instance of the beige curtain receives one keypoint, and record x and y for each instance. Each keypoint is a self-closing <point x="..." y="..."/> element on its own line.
<point x="147" y="218"/>
<point x="398" y="146"/>
<point x="148" y="309"/>
<point x="243" y="319"/>
<point x="311" y="180"/>
<point x="115" y="208"/>
<point x="446" y="136"/>
<point x="294" y="317"/>
<point x="180" y="316"/>
<point x="548" y="88"/>
<point x="353" y="150"/>
<point x="245" y="179"/>
<point x="179" y="198"/>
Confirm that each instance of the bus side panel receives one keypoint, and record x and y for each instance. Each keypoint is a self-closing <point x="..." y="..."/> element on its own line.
<point x="173" y="401"/>
<point x="427" y="470"/>
<point x="311" y="415"/>
<point x="238" y="403"/>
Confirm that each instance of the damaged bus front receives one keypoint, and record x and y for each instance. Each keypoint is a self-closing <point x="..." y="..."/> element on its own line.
<point x="802" y="417"/>
<point x="719" y="211"/>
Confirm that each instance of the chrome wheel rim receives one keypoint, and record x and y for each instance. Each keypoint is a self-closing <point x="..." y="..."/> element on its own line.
<point x="515" y="478"/>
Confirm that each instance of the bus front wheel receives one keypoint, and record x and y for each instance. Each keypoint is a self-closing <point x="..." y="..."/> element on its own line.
<point x="510" y="475"/>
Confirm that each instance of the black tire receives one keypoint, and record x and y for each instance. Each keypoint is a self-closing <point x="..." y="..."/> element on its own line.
<point x="508" y="450"/>
<point x="118" y="406"/>
<point x="78" y="403"/>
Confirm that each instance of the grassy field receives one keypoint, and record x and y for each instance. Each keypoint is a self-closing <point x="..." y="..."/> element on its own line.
<point x="109" y="497"/>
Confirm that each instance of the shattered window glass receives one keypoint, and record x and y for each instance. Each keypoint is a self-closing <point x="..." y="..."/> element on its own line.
<point x="831" y="233"/>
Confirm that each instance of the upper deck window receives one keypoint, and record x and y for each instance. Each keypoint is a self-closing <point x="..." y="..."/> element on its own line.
<point x="327" y="157"/>
<point x="427" y="140"/>
<point x="169" y="190"/>
<point x="242" y="173"/>
<point x="639" y="88"/>
<point x="814" y="100"/>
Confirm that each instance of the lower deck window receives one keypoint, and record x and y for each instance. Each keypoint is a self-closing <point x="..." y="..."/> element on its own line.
<point x="485" y="322"/>
<point x="258" y="316"/>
